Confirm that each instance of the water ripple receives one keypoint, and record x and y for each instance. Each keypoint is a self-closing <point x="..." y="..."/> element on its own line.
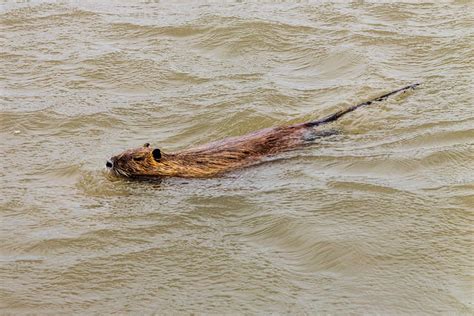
<point x="375" y="219"/>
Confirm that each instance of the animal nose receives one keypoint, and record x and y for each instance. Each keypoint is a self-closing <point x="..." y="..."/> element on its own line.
<point x="109" y="164"/>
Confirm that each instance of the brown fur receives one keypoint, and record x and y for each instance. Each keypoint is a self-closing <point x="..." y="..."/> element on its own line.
<point x="211" y="159"/>
<point x="225" y="155"/>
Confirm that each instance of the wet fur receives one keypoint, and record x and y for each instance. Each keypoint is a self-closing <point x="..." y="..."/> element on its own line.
<point x="218" y="157"/>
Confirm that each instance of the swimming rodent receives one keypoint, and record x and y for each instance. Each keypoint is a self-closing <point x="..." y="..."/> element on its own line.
<point x="225" y="155"/>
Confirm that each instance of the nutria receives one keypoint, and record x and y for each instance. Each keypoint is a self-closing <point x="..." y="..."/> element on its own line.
<point x="228" y="154"/>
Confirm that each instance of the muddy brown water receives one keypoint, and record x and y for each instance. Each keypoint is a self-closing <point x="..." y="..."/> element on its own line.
<point x="377" y="219"/>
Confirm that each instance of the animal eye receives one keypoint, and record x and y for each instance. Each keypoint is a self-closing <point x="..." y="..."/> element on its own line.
<point x="138" y="158"/>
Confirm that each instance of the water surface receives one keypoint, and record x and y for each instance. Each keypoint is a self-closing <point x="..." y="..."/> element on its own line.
<point x="377" y="219"/>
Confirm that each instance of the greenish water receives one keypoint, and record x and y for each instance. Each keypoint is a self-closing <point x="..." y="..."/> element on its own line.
<point x="375" y="220"/>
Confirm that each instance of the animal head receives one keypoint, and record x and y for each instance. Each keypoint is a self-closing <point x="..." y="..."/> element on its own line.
<point x="136" y="162"/>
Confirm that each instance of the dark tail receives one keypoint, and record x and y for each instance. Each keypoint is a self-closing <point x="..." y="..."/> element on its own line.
<point x="337" y="115"/>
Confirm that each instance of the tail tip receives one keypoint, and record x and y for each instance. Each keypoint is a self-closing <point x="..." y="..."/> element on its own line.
<point x="412" y="86"/>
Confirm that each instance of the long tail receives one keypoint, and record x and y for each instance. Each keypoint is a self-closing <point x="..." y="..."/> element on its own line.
<point x="340" y="113"/>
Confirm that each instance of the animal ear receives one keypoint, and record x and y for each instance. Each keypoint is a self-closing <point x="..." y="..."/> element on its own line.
<point x="156" y="154"/>
<point x="146" y="145"/>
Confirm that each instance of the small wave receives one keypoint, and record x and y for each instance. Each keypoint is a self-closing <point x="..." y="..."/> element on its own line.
<point x="302" y="249"/>
<point x="119" y="30"/>
<point x="102" y="184"/>
<point x="43" y="13"/>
